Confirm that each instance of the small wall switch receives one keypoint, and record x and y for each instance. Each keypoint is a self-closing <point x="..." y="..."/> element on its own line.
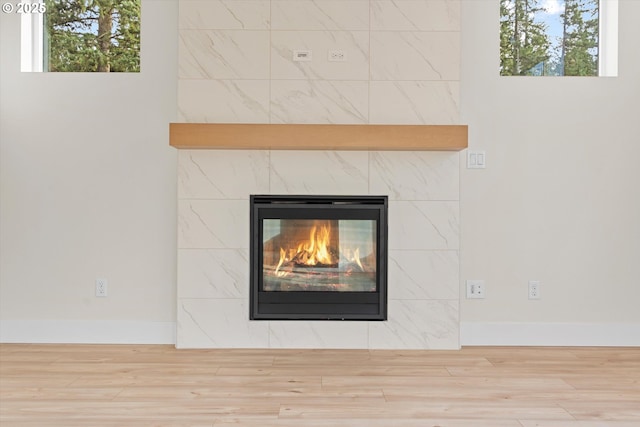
<point x="302" y="55"/>
<point x="476" y="159"/>
<point x="101" y="287"/>
<point x="534" y="289"/>
<point x="475" y="289"/>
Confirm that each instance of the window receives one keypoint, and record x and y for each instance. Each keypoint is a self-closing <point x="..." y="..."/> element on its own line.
<point x="82" y="36"/>
<point x="558" y="37"/>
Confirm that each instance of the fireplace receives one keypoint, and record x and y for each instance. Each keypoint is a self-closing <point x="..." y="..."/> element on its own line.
<point x="318" y="257"/>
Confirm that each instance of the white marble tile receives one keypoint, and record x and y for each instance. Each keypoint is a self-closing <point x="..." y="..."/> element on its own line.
<point x="223" y="54"/>
<point x="415" y="102"/>
<point x="355" y="45"/>
<point x="421" y="225"/>
<point x="415" y="15"/>
<point x="320" y="14"/>
<point x="415" y="175"/>
<point x="223" y="101"/>
<point x="224" y="14"/>
<point x="319" y="172"/>
<point x="213" y="224"/>
<point x="405" y="55"/>
<point x="213" y="273"/>
<point x="222" y="174"/>
<point x="318" y="334"/>
<point x="417" y="325"/>
<point x="420" y="275"/>
<point x="313" y="101"/>
<point x="219" y="323"/>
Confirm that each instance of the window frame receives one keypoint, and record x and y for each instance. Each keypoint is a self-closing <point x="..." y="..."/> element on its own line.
<point x="32" y="55"/>
<point x="608" y="38"/>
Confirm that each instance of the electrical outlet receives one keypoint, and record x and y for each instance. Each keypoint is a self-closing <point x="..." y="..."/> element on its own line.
<point x="101" y="287"/>
<point x="534" y="289"/>
<point x="475" y="289"/>
<point x="337" y="56"/>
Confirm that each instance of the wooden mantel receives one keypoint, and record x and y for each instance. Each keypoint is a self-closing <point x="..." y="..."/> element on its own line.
<point x="318" y="137"/>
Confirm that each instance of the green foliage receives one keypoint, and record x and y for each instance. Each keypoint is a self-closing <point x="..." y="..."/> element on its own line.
<point x="580" y="40"/>
<point x="93" y="35"/>
<point x="524" y="42"/>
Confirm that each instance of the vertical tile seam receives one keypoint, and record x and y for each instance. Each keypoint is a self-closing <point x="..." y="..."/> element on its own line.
<point x="369" y="76"/>
<point x="270" y="68"/>
<point x="461" y="163"/>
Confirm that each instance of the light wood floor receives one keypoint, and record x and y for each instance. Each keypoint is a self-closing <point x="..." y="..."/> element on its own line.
<point x="108" y="385"/>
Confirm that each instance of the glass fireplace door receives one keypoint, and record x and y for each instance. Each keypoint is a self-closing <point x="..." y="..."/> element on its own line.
<point x="310" y="255"/>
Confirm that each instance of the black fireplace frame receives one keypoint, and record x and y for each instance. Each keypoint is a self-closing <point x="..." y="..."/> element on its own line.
<point x="317" y="305"/>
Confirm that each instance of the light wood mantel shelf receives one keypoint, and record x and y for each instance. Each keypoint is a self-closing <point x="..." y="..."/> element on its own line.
<point x="224" y="136"/>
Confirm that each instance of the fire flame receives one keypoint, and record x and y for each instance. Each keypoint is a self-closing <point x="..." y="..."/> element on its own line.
<point x="282" y="259"/>
<point x="354" y="257"/>
<point x="315" y="251"/>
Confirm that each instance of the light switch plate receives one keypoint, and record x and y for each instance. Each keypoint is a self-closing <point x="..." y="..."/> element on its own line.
<point x="476" y="159"/>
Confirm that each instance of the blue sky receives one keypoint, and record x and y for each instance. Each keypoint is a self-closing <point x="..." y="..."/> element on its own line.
<point x="552" y="17"/>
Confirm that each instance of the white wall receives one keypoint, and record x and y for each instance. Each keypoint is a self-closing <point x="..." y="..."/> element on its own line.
<point x="559" y="201"/>
<point x="87" y="181"/>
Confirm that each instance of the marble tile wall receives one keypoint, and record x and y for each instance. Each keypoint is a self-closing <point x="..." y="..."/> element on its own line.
<point x="403" y="61"/>
<point x="402" y="67"/>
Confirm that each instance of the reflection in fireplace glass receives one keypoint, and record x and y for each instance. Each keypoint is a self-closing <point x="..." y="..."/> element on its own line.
<point x="319" y="255"/>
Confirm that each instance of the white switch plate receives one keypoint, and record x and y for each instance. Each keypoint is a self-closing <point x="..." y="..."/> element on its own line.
<point x="476" y="159"/>
<point x="475" y="289"/>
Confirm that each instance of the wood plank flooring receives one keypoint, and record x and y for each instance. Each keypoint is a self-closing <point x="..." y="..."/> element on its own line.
<point x="143" y="385"/>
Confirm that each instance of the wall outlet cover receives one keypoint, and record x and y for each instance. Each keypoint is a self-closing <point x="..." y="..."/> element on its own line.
<point x="475" y="289"/>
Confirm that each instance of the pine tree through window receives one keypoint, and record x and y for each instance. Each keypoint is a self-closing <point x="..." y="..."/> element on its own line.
<point x="557" y="37"/>
<point x="82" y="36"/>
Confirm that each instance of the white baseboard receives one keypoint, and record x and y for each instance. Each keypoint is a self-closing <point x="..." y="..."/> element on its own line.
<point x="471" y="333"/>
<point x="87" y="332"/>
<point x="550" y="334"/>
